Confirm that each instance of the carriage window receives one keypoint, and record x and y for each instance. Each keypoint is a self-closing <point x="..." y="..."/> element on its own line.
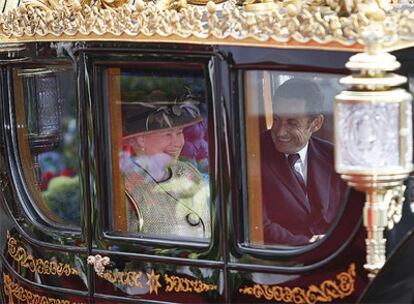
<point x="159" y="140"/>
<point x="294" y="194"/>
<point x="46" y="117"/>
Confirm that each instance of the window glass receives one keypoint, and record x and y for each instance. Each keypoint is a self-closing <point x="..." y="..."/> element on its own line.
<point x="160" y="164"/>
<point x="46" y="116"/>
<point x="294" y="194"/>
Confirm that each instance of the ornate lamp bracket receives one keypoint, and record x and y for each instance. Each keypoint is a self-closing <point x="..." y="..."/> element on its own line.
<point x="373" y="137"/>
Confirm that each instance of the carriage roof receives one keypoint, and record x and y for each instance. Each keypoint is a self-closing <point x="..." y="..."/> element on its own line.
<point x="312" y="24"/>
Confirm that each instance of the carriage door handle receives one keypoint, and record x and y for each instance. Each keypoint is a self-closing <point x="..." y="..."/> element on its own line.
<point x="98" y="263"/>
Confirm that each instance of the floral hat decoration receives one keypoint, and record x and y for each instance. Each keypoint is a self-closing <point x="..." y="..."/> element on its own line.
<point x="152" y="116"/>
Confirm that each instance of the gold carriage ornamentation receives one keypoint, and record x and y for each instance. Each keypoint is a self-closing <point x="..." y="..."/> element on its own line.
<point x="23" y="295"/>
<point x="173" y="283"/>
<point x="179" y="284"/>
<point x="310" y="24"/>
<point x="37" y="265"/>
<point x="327" y="291"/>
<point x="327" y="24"/>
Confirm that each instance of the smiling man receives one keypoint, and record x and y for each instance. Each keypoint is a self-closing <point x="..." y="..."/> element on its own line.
<point x="302" y="193"/>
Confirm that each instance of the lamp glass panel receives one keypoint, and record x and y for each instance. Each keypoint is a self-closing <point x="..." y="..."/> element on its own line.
<point x="368" y="136"/>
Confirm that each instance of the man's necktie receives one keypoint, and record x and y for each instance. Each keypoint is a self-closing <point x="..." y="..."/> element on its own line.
<point x="293" y="158"/>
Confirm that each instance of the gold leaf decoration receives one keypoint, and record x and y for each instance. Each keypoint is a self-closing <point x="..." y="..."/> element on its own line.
<point x="327" y="291"/>
<point x="111" y="3"/>
<point x="40" y="266"/>
<point x="153" y="282"/>
<point x="23" y="295"/>
<point x="304" y="23"/>
<point x="173" y="283"/>
<point x="123" y="278"/>
<point x="178" y="284"/>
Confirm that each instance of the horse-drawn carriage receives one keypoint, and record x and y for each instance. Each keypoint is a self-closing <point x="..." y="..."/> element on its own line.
<point x="134" y="163"/>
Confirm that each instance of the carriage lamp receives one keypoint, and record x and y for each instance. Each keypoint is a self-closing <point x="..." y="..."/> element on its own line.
<point x="12" y="51"/>
<point x="43" y="108"/>
<point x="374" y="146"/>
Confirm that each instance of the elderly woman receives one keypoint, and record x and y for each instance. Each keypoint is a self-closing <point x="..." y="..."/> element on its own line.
<point x="166" y="197"/>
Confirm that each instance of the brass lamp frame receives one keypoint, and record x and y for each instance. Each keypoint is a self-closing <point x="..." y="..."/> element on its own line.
<point x="372" y="85"/>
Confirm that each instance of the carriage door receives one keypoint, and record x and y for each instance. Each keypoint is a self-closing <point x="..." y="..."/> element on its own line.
<point x="154" y="195"/>
<point x="43" y="203"/>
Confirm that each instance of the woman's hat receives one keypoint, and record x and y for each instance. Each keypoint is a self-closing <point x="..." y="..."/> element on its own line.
<point x="148" y="117"/>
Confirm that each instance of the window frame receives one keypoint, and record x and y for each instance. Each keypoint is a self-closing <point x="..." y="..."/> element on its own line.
<point x="28" y="208"/>
<point x="125" y="243"/>
<point x="244" y="250"/>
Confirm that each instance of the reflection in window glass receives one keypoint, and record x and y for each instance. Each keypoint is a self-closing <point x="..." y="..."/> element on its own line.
<point x="294" y="194"/>
<point x="160" y="152"/>
<point x="46" y="114"/>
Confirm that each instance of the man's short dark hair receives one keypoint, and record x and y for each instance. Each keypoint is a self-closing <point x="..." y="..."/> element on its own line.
<point x="299" y="88"/>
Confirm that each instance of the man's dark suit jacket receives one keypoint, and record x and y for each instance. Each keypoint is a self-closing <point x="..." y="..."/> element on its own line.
<point x="291" y="218"/>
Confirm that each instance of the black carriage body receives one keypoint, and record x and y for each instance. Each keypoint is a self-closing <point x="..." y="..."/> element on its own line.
<point x="42" y="260"/>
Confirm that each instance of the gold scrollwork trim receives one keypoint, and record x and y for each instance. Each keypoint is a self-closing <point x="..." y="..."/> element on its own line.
<point x="23" y="295"/>
<point x="327" y="291"/>
<point x="40" y="266"/>
<point x="131" y="278"/>
<point x="178" y="284"/>
<point x="173" y="283"/>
